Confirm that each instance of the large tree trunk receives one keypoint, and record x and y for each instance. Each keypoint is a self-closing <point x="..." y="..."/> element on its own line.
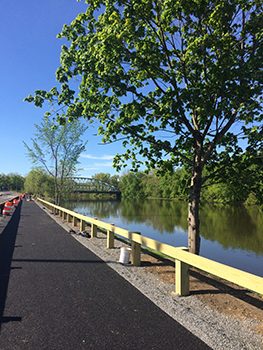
<point x="193" y="210"/>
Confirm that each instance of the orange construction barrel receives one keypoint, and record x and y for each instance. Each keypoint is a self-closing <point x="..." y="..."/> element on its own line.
<point x="7" y="208"/>
<point x="15" y="203"/>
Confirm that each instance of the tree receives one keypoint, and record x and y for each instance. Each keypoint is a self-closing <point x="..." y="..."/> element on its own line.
<point x="56" y="150"/>
<point x="131" y="185"/>
<point x="39" y="183"/>
<point x="12" y="182"/>
<point x="179" y="82"/>
<point x="106" y="177"/>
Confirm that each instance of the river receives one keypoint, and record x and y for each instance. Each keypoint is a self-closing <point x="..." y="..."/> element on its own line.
<point x="232" y="235"/>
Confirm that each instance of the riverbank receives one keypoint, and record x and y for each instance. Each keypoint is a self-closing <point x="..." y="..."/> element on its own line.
<point x="208" y="312"/>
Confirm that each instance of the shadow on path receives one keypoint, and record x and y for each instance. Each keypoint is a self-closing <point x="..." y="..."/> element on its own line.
<point x="7" y="245"/>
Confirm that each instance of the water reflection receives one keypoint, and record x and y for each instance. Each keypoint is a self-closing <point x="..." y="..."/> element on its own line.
<point x="235" y="227"/>
<point x="230" y="234"/>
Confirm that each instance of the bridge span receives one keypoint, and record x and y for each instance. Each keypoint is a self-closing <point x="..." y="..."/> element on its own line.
<point x="89" y="185"/>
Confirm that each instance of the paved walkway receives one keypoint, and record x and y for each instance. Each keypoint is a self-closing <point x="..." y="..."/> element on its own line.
<point x="56" y="294"/>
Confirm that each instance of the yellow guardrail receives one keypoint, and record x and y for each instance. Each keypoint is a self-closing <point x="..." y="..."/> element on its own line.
<point x="183" y="259"/>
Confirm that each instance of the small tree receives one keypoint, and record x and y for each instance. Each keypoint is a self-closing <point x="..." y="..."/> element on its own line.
<point x="180" y="82"/>
<point x="56" y="150"/>
<point x="39" y="183"/>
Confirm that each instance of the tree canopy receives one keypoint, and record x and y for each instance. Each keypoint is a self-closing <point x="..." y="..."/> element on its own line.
<point x="179" y="82"/>
<point x="12" y="182"/>
<point x="38" y="183"/>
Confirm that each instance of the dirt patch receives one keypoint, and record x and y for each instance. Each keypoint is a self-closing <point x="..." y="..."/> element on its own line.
<point x="220" y="295"/>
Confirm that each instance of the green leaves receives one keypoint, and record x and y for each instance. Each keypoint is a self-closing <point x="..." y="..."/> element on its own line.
<point x="173" y="78"/>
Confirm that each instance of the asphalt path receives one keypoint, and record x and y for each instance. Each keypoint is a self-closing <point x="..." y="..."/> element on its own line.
<point x="56" y="294"/>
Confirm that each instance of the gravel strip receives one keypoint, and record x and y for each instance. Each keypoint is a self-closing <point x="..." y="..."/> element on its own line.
<point x="218" y="331"/>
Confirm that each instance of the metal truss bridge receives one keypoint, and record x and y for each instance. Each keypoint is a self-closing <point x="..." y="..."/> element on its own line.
<point x="89" y="185"/>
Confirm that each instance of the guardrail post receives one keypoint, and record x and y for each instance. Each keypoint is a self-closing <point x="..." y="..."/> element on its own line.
<point x="68" y="218"/>
<point x="110" y="238"/>
<point x="82" y="225"/>
<point x="75" y="221"/>
<point x="94" y="229"/>
<point x="181" y="278"/>
<point x="64" y="215"/>
<point x="136" y="252"/>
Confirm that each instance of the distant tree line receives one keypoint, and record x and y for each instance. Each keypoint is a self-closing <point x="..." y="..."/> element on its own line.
<point x="246" y="187"/>
<point x="12" y="182"/>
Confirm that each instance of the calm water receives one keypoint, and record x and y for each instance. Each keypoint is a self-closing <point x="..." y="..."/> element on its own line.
<point x="232" y="235"/>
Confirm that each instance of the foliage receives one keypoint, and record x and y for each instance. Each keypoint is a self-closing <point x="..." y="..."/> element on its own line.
<point x="244" y="188"/>
<point x="131" y="185"/>
<point x="56" y="150"/>
<point x="242" y="183"/>
<point x="154" y="185"/>
<point x="12" y="182"/>
<point x="108" y="178"/>
<point x="39" y="183"/>
<point x="179" y="81"/>
<point x="173" y="185"/>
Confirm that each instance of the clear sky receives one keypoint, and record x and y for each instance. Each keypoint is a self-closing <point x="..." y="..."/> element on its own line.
<point x="30" y="54"/>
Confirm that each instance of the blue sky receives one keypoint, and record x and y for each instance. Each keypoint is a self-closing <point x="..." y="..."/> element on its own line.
<point x="30" y="54"/>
